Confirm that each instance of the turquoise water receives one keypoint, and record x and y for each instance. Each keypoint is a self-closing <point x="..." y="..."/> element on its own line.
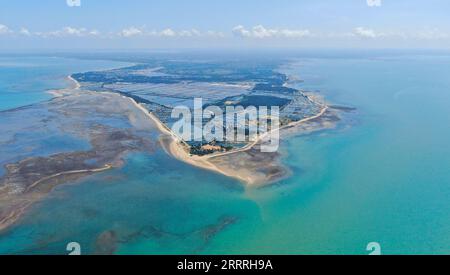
<point x="381" y="176"/>
<point x="24" y="80"/>
<point x="386" y="179"/>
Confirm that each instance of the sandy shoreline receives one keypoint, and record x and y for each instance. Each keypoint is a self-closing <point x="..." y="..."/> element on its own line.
<point x="77" y="84"/>
<point x="177" y="148"/>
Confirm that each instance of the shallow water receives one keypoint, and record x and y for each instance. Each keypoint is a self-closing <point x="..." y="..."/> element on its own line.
<point x="24" y="80"/>
<point x="24" y="86"/>
<point x="381" y="176"/>
<point x="385" y="179"/>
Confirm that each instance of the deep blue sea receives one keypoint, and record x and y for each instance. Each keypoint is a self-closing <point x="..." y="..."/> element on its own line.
<point x="381" y="176"/>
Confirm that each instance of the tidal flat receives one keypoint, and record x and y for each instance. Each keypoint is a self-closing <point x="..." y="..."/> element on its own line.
<point x="106" y="181"/>
<point x="92" y="131"/>
<point x="98" y="129"/>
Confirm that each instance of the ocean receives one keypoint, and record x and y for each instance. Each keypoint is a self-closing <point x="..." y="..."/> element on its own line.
<point x="381" y="176"/>
<point x="25" y="79"/>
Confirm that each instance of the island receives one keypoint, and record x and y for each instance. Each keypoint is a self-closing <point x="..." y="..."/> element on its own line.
<point x="104" y="115"/>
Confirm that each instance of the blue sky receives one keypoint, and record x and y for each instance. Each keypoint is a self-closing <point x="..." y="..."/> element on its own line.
<point x="225" y="23"/>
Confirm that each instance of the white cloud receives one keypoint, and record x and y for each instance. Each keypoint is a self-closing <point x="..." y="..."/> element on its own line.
<point x="366" y="33"/>
<point x="132" y="31"/>
<point x="168" y="33"/>
<point x="261" y="32"/>
<point x="25" y="31"/>
<point x="73" y="31"/>
<point x="197" y="33"/>
<point x="4" y="29"/>
<point x="66" y="32"/>
<point x="374" y="3"/>
<point x="258" y="32"/>
<point x="241" y="31"/>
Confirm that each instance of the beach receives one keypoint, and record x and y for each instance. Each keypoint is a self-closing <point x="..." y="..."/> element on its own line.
<point x="177" y="148"/>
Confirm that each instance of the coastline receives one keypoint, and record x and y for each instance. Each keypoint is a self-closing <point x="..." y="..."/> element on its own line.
<point x="247" y="165"/>
<point x="77" y="84"/>
<point x="175" y="147"/>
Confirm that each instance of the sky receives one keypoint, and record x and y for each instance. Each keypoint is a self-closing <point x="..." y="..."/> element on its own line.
<point x="172" y="24"/>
